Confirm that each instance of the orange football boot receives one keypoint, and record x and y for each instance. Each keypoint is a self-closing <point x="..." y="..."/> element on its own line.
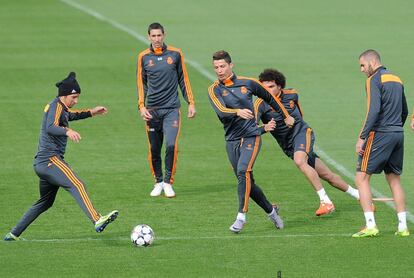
<point x="325" y="208"/>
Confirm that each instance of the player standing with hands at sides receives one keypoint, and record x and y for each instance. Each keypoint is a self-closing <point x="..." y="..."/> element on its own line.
<point x="380" y="145"/>
<point x="297" y="142"/>
<point x="49" y="163"/>
<point x="160" y="70"/>
<point x="231" y="98"/>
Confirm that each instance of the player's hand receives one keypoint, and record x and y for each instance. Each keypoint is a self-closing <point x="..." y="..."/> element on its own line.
<point x="290" y="121"/>
<point x="191" y="111"/>
<point x="412" y="124"/>
<point x="245" y="114"/>
<point x="73" y="135"/>
<point x="270" y="126"/>
<point x="99" y="110"/>
<point x="145" y="114"/>
<point x="358" y="146"/>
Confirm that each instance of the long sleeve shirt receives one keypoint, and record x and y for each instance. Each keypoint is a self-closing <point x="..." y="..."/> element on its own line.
<point x="53" y="139"/>
<point x="237" y="93"/>
<point x="387" y="108"/>
<point x="282" y="133"/>
<point x="159" y="73"/>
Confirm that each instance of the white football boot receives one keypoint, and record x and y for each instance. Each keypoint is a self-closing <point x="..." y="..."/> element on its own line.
<point x="237" y="226"/>
<point x="168" y="190"/>
<point x="158" y="187"/>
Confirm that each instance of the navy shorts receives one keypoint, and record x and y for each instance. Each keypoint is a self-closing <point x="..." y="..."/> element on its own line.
<point x="302" y="141"/>
<point x="383" y="151"/>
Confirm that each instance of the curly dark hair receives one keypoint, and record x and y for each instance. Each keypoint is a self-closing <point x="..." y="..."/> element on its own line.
<point x="273" y="75"/>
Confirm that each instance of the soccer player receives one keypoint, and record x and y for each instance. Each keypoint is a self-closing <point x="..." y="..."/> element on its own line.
<point x="49" y="164"/>
<point x="231" y="98"/>
<point x="380" y="145"/>
<point x="297" y="142"/>
<point x="161" y="69"/>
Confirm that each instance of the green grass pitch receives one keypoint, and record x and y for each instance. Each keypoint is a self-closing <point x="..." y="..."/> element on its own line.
<point x="315" y="43"/>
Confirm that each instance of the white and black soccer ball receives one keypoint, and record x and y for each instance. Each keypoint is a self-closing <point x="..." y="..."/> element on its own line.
<point x="142" y="235"/>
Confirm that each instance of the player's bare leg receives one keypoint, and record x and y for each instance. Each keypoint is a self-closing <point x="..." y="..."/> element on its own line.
<point x="365" y="199"/>
<point x="334" y="179"/>
<point x="301" y="160"/>
<point x="365" y="196"/>
<point x="394" y="182"/>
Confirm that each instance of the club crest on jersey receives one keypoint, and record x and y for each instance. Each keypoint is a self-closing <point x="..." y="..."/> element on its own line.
<point x="150" y="63"/>
<point x="243" y="90"/>
<point x="292" y="104"/>
<point x="169" y="60"/>
<point x="224" y="93"/>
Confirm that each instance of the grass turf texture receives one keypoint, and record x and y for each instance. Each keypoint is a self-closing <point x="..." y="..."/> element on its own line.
<point x="315" y="44"/>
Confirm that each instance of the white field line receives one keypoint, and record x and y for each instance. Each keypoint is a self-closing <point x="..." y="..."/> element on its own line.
<point x="134" y="34"/>
<point x="212" y="77"/>
<point x="229" y="237"/>
<point x="345" y="172"/>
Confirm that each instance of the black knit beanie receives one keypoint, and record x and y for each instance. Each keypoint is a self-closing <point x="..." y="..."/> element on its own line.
<point x="68" y="86"/>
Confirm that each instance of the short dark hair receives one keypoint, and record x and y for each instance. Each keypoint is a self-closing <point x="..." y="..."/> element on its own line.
<point x="273" y="75"/>
<point x="371" y="54"/>
<point x="155" y="26"/>
<point x="222" y="55"/>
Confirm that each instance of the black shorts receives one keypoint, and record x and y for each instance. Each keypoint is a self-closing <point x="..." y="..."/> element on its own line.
<point x="302" y="141"/>
<point x="383" y="151"/>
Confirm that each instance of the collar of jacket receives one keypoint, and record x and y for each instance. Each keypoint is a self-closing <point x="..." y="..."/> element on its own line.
<point x="158" y="51"/>
<point x="377" y="70"/>
<point x="63" y="105"/>
<point x="285" y="91"/>
<point x="229" y="81"/>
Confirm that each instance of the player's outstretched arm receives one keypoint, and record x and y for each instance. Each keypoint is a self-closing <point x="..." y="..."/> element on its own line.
<point x="262" y="92"/>
<point x="99" y="110"/>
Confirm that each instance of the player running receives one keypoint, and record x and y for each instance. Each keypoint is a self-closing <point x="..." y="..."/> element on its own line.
<point x="297" y="142"/>
<point x="231" y="98"/>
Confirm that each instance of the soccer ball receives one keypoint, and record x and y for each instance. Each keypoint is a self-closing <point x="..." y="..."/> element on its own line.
<point x="142" y="235"/>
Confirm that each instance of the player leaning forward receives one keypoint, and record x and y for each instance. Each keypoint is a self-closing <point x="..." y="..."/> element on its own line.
<point x="297" y="142"/>
<point x="49" y="164"/>
<point x="380" y="146"/>
<point x="231" y="98"/>
<point x="160" y="70"/>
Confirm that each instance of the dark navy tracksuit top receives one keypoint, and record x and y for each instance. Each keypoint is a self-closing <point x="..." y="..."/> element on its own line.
<point x="237" y="93"/>
<point x="159" y="73"/>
